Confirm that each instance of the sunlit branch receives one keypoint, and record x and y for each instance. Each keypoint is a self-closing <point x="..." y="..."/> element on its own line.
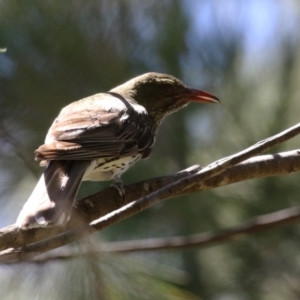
<point x="222" y="172"/>
<point x="202" y="240"/>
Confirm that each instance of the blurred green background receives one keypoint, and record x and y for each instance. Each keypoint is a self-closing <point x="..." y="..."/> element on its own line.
<point x="245" y="52"/>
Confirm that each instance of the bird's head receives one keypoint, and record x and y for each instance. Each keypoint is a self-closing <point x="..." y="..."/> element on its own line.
<point x="162" y="94"/>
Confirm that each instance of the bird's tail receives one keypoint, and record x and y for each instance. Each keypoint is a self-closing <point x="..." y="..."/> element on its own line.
<point x="51" y="201"/>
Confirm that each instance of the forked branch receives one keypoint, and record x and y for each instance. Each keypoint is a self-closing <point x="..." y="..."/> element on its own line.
<point x="107" y="208"/>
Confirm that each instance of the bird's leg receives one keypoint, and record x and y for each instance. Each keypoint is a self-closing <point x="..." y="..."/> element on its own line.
<point x="118" y="184"/>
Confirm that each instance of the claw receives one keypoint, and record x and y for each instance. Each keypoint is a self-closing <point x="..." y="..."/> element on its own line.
<point x="118" y="184"/>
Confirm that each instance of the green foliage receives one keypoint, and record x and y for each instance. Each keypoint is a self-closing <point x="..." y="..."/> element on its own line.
<point x="61" y="51"/>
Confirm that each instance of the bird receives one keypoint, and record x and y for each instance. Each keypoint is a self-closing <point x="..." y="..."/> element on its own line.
<point x="100" y="137"/>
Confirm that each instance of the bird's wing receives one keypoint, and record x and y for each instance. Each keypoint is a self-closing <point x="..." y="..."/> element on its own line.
<point x="103" y="125"/>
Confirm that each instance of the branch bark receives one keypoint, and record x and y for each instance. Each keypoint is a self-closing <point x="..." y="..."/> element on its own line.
<point x="206" y="239"/>
<point x="219" y="173"/>
<point x="201" y="240"/>
<point x="257" y="167"/>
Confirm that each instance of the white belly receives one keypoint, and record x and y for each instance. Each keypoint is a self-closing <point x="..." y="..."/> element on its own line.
<point x="104" y="169"/>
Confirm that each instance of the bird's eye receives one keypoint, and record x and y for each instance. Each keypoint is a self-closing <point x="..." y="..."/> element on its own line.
<point x="168" y="88"/>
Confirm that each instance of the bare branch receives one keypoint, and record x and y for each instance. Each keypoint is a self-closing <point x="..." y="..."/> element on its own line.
<point x="192" y="181"/>
<point x="101" y="203"/>
<point x="97" y="205"/>
<point x="262" y="166"/>
<point x="202" y="240"/>
<point x="207" y="239"/>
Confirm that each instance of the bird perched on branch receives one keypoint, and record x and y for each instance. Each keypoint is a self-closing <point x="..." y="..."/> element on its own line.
<point x="98" y="138"/>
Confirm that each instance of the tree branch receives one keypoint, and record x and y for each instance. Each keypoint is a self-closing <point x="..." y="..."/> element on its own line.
<point x="191" y="180"/>
<point x="261" y="166"/>
<point x="206" y="239"/>
<point x="202" y="240"/>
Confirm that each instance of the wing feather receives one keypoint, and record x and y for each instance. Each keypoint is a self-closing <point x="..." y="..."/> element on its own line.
<point x="103" y="125"/>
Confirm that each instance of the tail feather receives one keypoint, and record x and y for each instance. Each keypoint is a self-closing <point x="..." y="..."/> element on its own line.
<point x="51" y="201"/>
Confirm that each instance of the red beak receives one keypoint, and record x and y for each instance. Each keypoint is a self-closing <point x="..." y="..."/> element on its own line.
<point x="201" y="96"/>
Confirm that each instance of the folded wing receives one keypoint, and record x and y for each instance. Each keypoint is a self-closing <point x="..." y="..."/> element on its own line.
<point x="103" y="125"/>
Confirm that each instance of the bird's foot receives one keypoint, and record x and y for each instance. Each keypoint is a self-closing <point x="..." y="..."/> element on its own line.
<point x="118" y="184"/>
